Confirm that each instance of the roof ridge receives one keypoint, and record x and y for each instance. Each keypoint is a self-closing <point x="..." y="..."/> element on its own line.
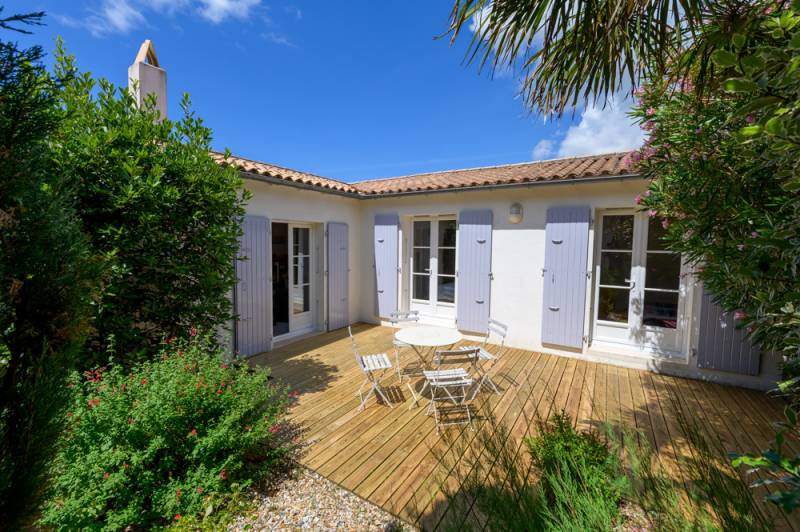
<point x="490" y="167"/>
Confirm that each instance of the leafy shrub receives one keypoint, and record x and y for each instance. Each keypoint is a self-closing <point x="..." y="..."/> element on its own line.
<point x="167" y="440"/>
<point x="47" y="277"/>
<point x="161" y="211"/>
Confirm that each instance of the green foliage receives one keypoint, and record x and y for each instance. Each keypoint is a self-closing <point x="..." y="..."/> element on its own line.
<point x="47" y="277"/>
<point x="162" y="213"/>
<point x="725" y="172"/>
<point x="570" y="458"/>
<point x="178" y="436"/>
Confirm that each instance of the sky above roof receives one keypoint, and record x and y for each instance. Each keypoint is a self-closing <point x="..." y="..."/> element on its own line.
<point x="349" y="90"/>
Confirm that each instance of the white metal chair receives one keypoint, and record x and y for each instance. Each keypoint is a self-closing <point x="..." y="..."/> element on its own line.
<point x="373" y="366"/>
<point x="486" y="361"/>
<point x="396" y="318"/>
<point x="449" y="385"/>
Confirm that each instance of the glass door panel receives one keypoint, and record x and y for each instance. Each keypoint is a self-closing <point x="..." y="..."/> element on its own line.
<point x="421" y="261"/>
<point x="446" y="282"/>
<point x="302" y="276"/>
<point x="433" y="266"/>
<point x="614" y="277"/>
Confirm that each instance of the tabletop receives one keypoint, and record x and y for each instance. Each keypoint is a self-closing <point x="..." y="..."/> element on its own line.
<point x="428" y="336"/>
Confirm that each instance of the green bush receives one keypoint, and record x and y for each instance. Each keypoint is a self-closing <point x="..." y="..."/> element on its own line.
<point x="172" y="438"/>
<point x="163" y="214"/>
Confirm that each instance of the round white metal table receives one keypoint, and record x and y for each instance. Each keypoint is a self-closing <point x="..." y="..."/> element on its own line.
<point x="428" y="336"/>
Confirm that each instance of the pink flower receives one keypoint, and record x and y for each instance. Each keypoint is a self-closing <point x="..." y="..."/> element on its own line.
<point x="647" y="193"/>
<point x="93" y="402"/>
<point x="638" y="199"/>
<point x="178" y="493"/>
<point x="750" y="119"/>
<point x="193" y="332"/>
<point x="177" y="517"/>
<point x="199" y="489"/>
<point x="105" y="475"/>
<point x="193" y="433"/>
<point x="739" y="315"/>
<point x="274" y="429"/>
<point x="754" y="234"/>
<point x="650" y="111"/>
<point x="126" y="465"/>
<point x="223" y="474"/>
<point x="652" y="213"/>
<point x="664" y="223"/>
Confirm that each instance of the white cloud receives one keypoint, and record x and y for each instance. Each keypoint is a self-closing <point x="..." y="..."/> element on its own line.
<point x="277" y="38"/>
<point x="294" y="11"/>
<point x="115" y="16"/>
<point x="218" y="10"/>
<point x="543" y="149"/>
<point x="602" y="131"/>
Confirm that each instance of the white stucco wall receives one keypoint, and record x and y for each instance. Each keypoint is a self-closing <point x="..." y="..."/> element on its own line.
<point x="517" y="257"/>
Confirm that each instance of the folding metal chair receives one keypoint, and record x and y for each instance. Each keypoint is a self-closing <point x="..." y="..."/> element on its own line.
<point x="485" y="361"/>
<point x="396" y="318"/>
<point x="373" y="366"/>
<point x="449" y="385"/>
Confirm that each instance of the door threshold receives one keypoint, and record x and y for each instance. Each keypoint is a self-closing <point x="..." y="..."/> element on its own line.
<point x="290" y="337"/>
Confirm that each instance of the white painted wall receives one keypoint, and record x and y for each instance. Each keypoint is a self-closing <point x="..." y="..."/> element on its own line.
<point x="517" y="257"/>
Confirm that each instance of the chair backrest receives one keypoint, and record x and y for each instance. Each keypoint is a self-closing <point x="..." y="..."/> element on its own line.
<point x="500" y="330"/>
<point x="455" y="356"/>
<point x="403" y="317"/>
<point x="356" y="354"/>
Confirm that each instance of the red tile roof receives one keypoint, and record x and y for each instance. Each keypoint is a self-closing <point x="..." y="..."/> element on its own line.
<point x="556" y="170"/>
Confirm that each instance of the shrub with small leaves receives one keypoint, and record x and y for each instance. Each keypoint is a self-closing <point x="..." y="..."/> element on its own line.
<point x="170" y="439"/>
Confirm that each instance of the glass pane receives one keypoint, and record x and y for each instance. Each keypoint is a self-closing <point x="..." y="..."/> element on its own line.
<point x="613" y="304"/>
<point x="615" y="268"/>
<point x="617" y="232"/>
<point x="306" y="269"/>
<point x="660" y="309"/>
<point x="447" y="289"/>
<point x="447" y="261"/>
<point x="297" y="300"/>
<point x="654" y="234"/>
<point x="422" y="260"/>
<point x="447" y="233"/>
<point x="422" y="287"/>
<point x="422" y="234"/>
<point x="296" y="241"/>
<point x="306" y="298"/>
<point x="295" y="271"/>
<point x="663" y="271"/>
<point x="301" y="244"/>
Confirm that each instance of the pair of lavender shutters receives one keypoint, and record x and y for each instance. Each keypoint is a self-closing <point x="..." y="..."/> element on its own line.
<point x="253" y="294"/>
<point x="564" y="287"/>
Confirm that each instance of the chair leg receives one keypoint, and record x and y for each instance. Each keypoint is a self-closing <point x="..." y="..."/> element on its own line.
<point x="379" y="391"/>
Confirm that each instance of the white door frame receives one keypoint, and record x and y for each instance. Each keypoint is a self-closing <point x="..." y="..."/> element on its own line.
<point x="303" y="322"/>
<point x="432" y="307"/>
<point x="633" y="333"/>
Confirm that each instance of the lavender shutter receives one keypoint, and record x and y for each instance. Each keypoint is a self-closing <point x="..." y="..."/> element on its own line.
<point x="386" y="261"/>
<point x="338" y="276"/>
<point x="564" y="295"/>
<point x="253" y="294"/>
<point x="474" y="270"/>
<point x="721" y="345"/>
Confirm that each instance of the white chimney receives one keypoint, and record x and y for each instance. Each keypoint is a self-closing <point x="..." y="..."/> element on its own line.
<point x="145" y="76"/>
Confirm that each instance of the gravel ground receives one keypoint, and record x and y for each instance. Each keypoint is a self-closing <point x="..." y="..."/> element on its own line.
<point x="311" y="502"/>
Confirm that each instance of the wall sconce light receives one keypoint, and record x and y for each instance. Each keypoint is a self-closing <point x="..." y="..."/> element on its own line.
<point x="515" y="213"/>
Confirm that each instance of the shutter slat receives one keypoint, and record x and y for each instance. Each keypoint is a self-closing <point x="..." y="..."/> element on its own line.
<point x="721" y="345"/>
<point x="564" y="280"/>
<point x="474" y="270"/>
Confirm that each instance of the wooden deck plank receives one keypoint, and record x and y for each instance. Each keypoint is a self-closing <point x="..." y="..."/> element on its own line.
<point x="392" y="456"/>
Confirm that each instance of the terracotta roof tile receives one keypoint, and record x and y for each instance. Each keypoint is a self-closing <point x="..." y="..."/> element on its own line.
<point x="568" y="169"/>
<point x="574" y="168"/>
<point x="278" y="172"/>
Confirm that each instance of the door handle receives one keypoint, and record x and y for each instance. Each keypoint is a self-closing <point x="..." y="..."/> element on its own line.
<point x="554" y="308"/>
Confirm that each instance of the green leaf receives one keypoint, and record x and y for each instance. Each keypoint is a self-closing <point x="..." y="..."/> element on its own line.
<point x="738" y="40"/>
<point x="796" y="6"/>
<point x="752" y="63"/>
<point x="739" y="85"/>
<point x="750" y="131"/>
<point x="774" y="126"/>
<point x="795" y="41"/>
<point x="791" y="415"/>
<point x="209" y="510"/>
<point x="724" y="58"/>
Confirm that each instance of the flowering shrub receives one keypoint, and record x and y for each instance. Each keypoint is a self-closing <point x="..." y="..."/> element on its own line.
<point x="168" y="440"/>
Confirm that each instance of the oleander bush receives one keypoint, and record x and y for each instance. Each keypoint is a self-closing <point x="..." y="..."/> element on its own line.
<point x="176" y="437"/>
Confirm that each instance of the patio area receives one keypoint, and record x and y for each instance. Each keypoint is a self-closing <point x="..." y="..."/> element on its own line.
<point x="394" y="457"/>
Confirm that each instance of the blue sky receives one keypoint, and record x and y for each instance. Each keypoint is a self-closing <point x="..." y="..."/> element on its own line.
<point x="350" y="90"/>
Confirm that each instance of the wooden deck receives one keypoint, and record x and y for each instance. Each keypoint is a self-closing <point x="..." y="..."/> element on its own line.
<point x="395" y="458"/>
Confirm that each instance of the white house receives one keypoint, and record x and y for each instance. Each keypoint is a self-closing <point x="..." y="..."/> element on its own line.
<point x="557" y="250"/>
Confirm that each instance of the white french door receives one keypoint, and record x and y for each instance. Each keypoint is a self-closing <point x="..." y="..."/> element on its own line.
<point x="301" y="316"/>
<point x="433" y="266"/>
<point x="641" y="297"/>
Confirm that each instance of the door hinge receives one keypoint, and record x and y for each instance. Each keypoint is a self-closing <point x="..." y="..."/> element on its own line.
<point x="589" y="274"/>
<point x="587" y="339"/>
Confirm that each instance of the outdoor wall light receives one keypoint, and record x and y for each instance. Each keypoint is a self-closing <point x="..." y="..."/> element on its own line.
<point x="515" y="213"/>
